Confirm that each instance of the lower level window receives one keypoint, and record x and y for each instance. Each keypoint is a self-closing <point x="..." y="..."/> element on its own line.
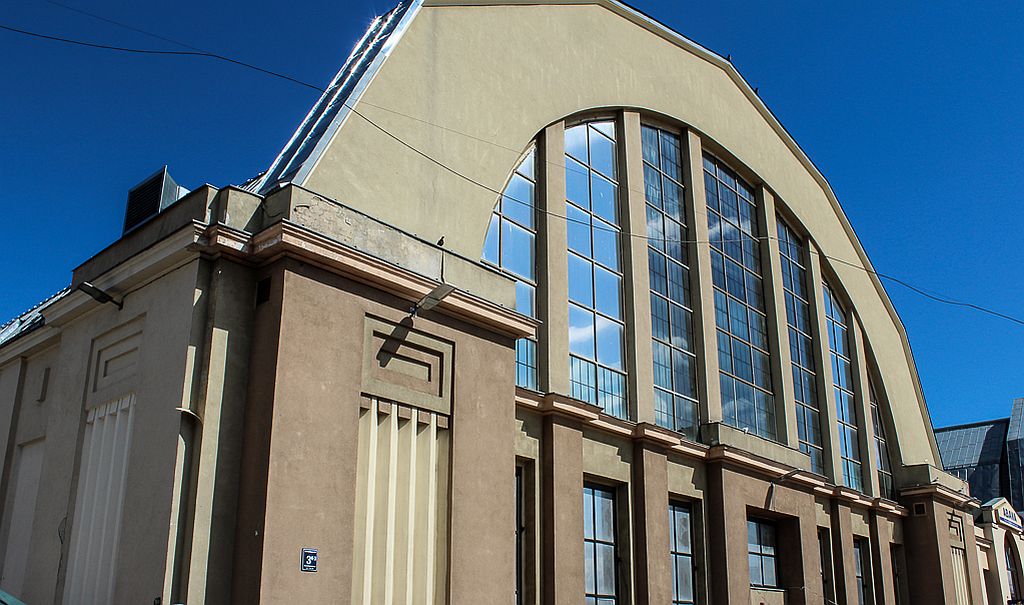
<point x="599" y="551"/>
<point x="862" y="568"/>
<point x="682" y="554"/>
<point x="761" y="553"/>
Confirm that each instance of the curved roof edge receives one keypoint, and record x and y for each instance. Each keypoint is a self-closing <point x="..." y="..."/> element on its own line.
<point x="380" y="40"/>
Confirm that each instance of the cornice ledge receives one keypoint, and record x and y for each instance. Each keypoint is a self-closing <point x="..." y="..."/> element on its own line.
<point x="646" y="432"/>
<point x="942" y="493"/>
<point x="288" y="238"/>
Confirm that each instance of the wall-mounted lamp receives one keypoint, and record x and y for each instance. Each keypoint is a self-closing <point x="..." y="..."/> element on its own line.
<point x="100" y="296"/>
<point x="770" y="499"/>
<point x="432" y="298"/>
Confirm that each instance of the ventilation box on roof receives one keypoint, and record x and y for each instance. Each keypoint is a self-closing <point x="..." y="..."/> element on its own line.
<point x="150" y="197"/>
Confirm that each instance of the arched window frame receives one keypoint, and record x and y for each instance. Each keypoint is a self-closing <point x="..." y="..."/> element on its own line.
<point x="511" y="235"/>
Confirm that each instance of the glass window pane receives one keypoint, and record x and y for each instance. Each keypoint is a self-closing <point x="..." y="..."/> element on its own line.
<point x="649" y="144"/>
<point x="517" y="250"/>
<point x="756" y="579"/>
<point x="491" y="242"/>
<point x="605" y="569"/>
<point x="655" y="228"/>
<point x="672" y="193"/>
<point x="604" y="515"/>
<point x="577" y="187"/>
<point x="602" y="154"/>
<point x="684" y="579"/>
<point x="517" y="202"/>
<point x="609" y="343"/>
<point x="681" y="328"/>
<point x="659" y="318"/>
<point x="581" y="286"/>
<point x="603" y="202"/>
<point x="526" y="167"/>
<point x="608" y="292"/>
<point x="581" y="332"/>
<point x="589" y="566"/>
<point x="576" y="142"/>
<point x="606" y="245"/>
<point x="525" y="299"/>
<point x="768" y="570"/>
<point x="577" y="225"/>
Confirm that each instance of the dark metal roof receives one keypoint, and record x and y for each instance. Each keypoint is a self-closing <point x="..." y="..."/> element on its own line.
<point x="972" y="444"/>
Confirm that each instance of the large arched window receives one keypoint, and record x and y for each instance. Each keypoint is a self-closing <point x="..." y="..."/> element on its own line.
<point x="597" y="328"/>
<point x="1012" y="568"/>
<point x="743" y="358"/>
<point x="511" y="246"/>
<point x="801" y="344"/>
<point x="675" y="391"/>
<point x="842" y="389"/>
<point x="883" y="462"/>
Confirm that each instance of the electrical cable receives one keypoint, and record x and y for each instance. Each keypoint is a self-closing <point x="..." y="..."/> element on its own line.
<point x="196" y="52"/>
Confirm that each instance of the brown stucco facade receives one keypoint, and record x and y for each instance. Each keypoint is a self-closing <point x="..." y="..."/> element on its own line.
<point x="265" y="386"/>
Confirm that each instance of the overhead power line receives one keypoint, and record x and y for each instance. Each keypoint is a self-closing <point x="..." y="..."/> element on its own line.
<point x="197" y="52"/>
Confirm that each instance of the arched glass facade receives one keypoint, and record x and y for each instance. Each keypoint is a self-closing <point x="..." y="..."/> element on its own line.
<point x="602" y="260"/>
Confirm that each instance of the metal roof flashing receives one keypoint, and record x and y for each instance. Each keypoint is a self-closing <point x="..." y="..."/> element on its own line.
<point x="303" y="151"/>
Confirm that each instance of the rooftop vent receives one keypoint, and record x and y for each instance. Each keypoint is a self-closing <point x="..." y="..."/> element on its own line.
<point x="150" y="197"/>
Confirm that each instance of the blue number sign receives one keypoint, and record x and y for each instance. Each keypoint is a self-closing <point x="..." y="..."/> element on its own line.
<point x="308" y="562"/>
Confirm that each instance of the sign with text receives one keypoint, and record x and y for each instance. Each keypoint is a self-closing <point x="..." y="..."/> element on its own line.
<point x="1008" y="517"/>
<point x="308" y="562"/>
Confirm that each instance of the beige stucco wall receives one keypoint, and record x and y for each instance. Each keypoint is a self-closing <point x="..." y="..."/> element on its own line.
<point x="458" y="67"/>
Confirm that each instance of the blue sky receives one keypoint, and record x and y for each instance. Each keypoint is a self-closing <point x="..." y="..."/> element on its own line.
<point x="911" y="110"/>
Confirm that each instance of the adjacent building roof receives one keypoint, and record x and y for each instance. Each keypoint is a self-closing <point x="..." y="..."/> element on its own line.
<point x="29" y="320"/>
<point x="988" y="455"/>
<point x="971" y="445"/>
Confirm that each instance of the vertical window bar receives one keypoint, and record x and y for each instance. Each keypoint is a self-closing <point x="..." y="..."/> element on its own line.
<point x="510" y="245"/>
<point x="675" y="391"/>
<point x="801" y="344"/>
<point x="596" y="319"/>
<point x="743" y="354"/>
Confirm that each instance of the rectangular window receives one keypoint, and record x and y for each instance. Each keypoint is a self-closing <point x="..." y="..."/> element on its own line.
<point x="801" y="345"/>
<point x="743" y="358"/>
<point x="681" y="551"/>
<point x="825" y="562"/>
<point x="520" y="535"/>
<point x="897" y="573"/>
<point x="511" y="246"/>
<point x="596" y="321"/>
<point x="842" y="390"/>
<point x="675" y="391"/>
<point x="862" y="570"/>
<point x="600" y="557"/>
<point x="761" y="554"/>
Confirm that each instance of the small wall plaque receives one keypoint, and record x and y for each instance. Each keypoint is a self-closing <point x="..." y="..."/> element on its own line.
<point x="308" y="562"/>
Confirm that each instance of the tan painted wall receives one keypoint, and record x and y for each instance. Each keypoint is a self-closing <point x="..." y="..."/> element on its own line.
<point x="457" y="67"/>
<point x="156" y="316"/>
